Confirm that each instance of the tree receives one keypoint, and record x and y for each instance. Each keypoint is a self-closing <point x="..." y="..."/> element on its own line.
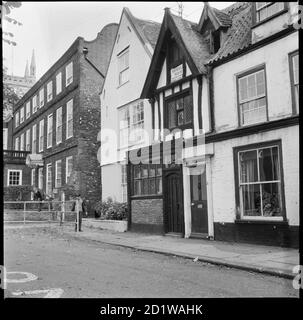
<point x="6" y="8"/>
<point x="10" y="98"/>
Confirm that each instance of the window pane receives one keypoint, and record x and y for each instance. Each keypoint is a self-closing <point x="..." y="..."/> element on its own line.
<point x="251" y="86"/>
<point x="271" y="199"/>
<point x="144" y="170"/>
<point x="180" y="116"/>
<point x="159" y="185"/>
<point x="251" y="200"/>
<point x="179" y="104"/>
<point x="248" y="166"/>
<point x="137" y="187"/>
<point x="295" y="60"/>
<point x="159" y="170"/>
<point x="152" y="171"/>
<point x="243" y="88"/>
<point x="152" y="186"/>
<point x="269" y="164"/>
<point x="137" y="171"/>
<point x="171" y="114"/>
<point x="260" y="83"/>
<point x="145" y="186"/>
<point x="187" y="110"/>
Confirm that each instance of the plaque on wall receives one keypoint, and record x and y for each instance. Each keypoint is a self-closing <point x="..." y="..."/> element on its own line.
<point x="176" y="73"/>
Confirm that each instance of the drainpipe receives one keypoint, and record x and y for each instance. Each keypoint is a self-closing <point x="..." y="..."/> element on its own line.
<point x="85" y="52"/>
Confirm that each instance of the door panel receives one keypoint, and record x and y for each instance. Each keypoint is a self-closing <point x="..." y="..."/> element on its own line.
<point x="174" y="203"/>
<point x="199" y="218"/>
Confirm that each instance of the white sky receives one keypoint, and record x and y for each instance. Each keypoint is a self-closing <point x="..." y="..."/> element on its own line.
<point x="51" y="27"/>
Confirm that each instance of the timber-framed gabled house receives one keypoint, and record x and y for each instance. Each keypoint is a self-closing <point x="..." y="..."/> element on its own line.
<point x="230" y="85"/>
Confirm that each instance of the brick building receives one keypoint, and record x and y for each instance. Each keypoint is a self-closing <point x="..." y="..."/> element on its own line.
<point x="225" y="112"/>
<point x="58" y="120"/>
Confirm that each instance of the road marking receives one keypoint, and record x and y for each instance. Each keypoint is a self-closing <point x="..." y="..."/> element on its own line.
<point x="50" y="293"/>
<point x="28" y="277"/>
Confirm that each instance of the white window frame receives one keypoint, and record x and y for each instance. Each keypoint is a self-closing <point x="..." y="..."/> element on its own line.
<point x="28" y="109"/>
<point x="28" y="140"/>
<point x="69" y="74"/>
<point x="35" y="104"/>
<point x="41" y="97"/>
<point x="41" y="137"/>
<point x="123" y="68"/>
<point x="59" y="125"/>
<point x="257" y="97"/>
<point x="33" y="177"/>
<point x="49" y="88"/>
<point x="266" y="6"/>
<point x="69" y="118"/>
<point x="50" y="124"/>
<point x="40" y="177"/>
<point x="34" y="138"/>
<point x="17" y="119"/>
<point x="67" y="173"/>
<point x="59" y="81"/>
<point x="240" y="184"/>
<point x="134" y="124"/>
<point x="294" y="81"/>
<point x="22" y="115"/>
<point x="20" y="177"/>
<point x="17" y="143"/>
<point x="49" y="165"/>
<point x="57" y="174"/>
<point x="22" y="142"/>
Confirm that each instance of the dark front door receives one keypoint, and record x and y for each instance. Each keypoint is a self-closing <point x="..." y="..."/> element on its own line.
<point x="174" y="202"/>
<point x="199" y="219"/>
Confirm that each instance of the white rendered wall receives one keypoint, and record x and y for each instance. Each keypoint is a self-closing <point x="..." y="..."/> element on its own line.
<point x="223" y="179"/>
<point x="275" y="58"/>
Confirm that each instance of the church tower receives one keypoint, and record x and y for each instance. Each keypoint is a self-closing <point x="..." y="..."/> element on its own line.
<point x="33" y="66"/>
<point x="26" y="72"/>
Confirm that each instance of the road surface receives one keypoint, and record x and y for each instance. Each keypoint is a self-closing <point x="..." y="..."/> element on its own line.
<point x="74" y="268"/>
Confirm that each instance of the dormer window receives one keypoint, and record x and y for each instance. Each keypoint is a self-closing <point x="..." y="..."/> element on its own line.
<point x="215" y="41"/>
<point x="265" y="10"/>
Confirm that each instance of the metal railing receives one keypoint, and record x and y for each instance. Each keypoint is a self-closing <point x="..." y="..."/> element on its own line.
<point x="54" y="211"/>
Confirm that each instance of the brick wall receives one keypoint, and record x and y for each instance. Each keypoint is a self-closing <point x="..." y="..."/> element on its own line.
<point x="26" y="172"/>
<point x="147" y="211"/>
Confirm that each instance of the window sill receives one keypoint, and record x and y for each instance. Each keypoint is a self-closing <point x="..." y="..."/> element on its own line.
<point x="148" y="196"/>
<point x="261" y="221"/>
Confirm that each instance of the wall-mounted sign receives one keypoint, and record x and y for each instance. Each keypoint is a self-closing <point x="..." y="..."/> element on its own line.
<point x="176" y="73"/>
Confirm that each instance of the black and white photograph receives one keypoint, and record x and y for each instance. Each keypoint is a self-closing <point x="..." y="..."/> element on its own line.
<point x="150" y="150"/>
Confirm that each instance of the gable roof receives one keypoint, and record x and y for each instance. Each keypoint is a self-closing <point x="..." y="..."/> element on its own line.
<point x="236" y="21"/>
<point x="147" y="30"/>
<point x="217" y="17"/>
<point x="189" y="40"/>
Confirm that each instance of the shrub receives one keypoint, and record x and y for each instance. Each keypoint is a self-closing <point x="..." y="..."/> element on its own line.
<point x="111" y="210"/>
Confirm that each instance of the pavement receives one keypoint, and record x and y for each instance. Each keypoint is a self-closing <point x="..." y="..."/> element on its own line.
<point x="270" y="260"/>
